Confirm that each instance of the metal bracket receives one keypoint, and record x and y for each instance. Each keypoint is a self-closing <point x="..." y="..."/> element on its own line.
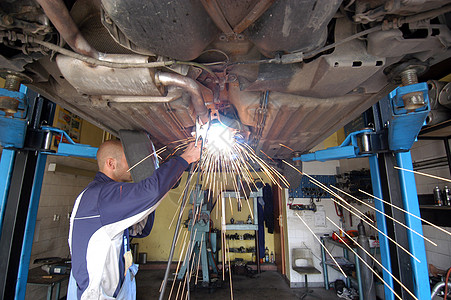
<point x="348" y="149"/>
<point x="16" y="122"/>
<point x="69" y="148"/>
<point x="402" y="128"/>
<point x="403" y="125"/>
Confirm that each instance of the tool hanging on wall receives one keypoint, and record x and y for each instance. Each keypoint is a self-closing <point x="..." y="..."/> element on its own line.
<point x="352" y="181"/>
<point x="311" y="206"/>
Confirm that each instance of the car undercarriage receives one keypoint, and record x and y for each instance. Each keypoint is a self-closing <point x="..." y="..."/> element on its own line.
<point x="280" y="72"/>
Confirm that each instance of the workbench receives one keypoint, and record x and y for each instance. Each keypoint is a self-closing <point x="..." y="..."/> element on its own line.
<point x="37" y="276"/>
<point x="328" y="241"/>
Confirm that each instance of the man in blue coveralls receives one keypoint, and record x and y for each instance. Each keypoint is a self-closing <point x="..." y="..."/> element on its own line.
<point x="107" y="213"/>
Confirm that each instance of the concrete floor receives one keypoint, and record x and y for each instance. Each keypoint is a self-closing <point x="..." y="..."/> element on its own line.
<point x="267" y="285"/>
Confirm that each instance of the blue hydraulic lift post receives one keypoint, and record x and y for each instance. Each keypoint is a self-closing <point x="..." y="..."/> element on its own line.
<point x="21" y="173"/>
<point x="401" y="129"/>
<point x="6" y="169"/>
<point x="22" y="275"/>
<point x="416" y="243"/>
<point x="382" y="226"/>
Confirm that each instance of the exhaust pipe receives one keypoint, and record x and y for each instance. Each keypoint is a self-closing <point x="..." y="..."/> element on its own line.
<point x="57" y="12"/>
<point x="191" y="86"/>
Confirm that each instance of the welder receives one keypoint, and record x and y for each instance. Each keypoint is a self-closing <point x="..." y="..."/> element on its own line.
<point x="107" y="213"/>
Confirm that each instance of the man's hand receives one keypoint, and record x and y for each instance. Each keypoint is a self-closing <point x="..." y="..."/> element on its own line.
<point x="192" y="153"/>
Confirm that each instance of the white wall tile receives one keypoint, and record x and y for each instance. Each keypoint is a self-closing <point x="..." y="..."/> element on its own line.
<point x="299" y="237"/>
<point x="438" y="260"/>
<point x="321" y="168"/>
<point x="441" y="255"/>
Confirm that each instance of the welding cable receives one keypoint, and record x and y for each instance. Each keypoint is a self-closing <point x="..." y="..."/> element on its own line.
<point x="296" y="57"/>
<point x="199" y="65"/>
<point x="211" y="252"/>
<point x="177" y="228"/>
<point x="97" y="62"/>
<point x="91" y="60"/>
<point x="338" y="210"/>
<point x="219" y="62"/>
<point x="445" y="296"/>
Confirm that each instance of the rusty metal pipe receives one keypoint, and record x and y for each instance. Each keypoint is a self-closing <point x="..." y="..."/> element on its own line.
<point x="191" y="86"/>
<point x="58" y="13"/>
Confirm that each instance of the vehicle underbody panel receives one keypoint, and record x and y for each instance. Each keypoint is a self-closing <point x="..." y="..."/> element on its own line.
<point x="290" y="72"/>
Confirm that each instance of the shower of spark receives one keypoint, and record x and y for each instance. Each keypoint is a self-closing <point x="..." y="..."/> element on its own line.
<point x="267" y="156"/>
<point x="227" y="164"/>
<point x="282" y="145"/>
<point x="227" y="157"/>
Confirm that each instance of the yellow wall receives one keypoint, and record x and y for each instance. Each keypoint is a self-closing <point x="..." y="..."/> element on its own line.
<point x="158" y="244"/>
<point x="335" y="139"/>
<point x="89" y="134"/>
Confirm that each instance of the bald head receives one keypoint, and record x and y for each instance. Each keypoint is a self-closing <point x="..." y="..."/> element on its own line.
<point x="109" y="149"/>
<point x="111" y="161"/>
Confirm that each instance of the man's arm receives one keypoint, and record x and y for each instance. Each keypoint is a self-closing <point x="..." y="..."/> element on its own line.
<point x="122" y="205"/>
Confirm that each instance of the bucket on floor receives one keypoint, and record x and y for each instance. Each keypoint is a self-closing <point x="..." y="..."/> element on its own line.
<point x="142" y="258"/>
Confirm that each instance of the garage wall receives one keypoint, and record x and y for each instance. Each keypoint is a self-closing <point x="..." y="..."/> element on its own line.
<point x="300" y="237"/>
<point x="425" y="150"/>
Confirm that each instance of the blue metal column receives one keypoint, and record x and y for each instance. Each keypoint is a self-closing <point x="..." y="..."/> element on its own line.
<point x="6" y="169"/>
<point x="382" y="225"/>
<point x="416" y="243"/>
<point x="30" y="225"/>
